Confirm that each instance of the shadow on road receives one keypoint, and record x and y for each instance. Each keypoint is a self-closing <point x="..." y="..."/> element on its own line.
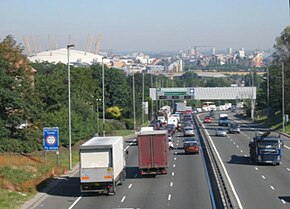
<point x="67" y="186"/>
<point x="240" y="160"/>
<point x="285" y="198"/>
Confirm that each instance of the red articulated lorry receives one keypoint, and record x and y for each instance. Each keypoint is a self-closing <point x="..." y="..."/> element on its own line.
<point x="153" y="152"/>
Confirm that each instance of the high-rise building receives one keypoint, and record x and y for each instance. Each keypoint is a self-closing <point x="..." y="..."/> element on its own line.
<point x="213" y="51"/>
<point x="230" y="51"/>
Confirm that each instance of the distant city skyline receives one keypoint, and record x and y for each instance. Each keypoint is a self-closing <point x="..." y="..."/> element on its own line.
<point x="149" y="25"/>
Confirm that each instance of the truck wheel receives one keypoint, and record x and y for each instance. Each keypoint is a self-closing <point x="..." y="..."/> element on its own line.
<point x="112" y="190"/>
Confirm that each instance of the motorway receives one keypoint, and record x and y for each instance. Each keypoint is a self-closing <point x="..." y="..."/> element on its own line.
<point x="184" y="186"/>
<point x="256" y="186"/>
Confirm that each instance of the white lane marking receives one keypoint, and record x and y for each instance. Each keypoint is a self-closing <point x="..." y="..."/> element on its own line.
<point x="263" y="177"/>
<point x="169" y="197"/>
<point x="123" y="199"/>
<point x="286" y="147"/>
<point x="249" y="137"/>
<point x="130" y="144"/>
<point x="234" y="142"/>
<point x="171" y="184"/>
<point x="231" y="139"/>
<point x="256" y="168"/>
<point x="237" y="146"/>
<point x="175" y="158"/>
<point x="130" y="186"/>
<point x="176" y="144"/>
<point x="174" y="165"/>
<point x="175" y="153"/>
<point x="283" y="201"/>
<point x="226" y="172"/>
<point x="241" y="150"/>
<point x="272" y="188"/>
<point x="245" y="155"/>
<point x="75" y="202"/>
<point x="172" y="173"/>
<point x="288" y="169"/>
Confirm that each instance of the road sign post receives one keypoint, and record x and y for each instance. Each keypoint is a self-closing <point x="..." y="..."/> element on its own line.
<point x="50" y="141"/>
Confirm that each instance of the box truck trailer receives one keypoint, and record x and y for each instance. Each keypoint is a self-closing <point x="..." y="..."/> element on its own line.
<point x="153" y="152"/>
<point x="102" y="164"/>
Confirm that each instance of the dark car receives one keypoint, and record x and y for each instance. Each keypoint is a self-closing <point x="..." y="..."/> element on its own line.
<point x="234" y="128"/>
<point x="191" y="147"/>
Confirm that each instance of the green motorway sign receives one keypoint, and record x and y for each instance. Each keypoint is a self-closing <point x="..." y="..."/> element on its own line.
<point x="175" y="93"/>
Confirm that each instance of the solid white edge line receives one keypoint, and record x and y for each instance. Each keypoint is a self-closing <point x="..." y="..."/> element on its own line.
<point x="75" y="202"/>
<point x="123" y="199"/>
<point x="226" y="172"/>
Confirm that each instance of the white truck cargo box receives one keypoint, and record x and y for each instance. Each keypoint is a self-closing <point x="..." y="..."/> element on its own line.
<point x="102" y="163"/>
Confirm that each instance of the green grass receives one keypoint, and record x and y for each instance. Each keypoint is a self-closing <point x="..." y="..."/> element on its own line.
<point x="16" y="175"/>
<point x="12" y="200"/>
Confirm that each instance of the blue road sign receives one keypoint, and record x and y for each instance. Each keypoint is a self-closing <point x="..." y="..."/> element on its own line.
<point x="50" y="139"/>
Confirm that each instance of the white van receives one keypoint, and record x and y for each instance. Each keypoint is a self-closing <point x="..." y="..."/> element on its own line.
<point x="173" y="120"/>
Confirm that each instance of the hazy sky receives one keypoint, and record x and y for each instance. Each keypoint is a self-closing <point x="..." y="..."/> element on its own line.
<point x="148" y="25"/>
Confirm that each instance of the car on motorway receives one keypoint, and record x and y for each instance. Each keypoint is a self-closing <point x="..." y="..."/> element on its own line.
<point x="188" y="139"/>
<point x="207" y="119"/>
<point x="234" y="128"/>
<point x="191" y="147"/>
<point x="188" y="131"/>
<point x="170" y="143"/>
<point x="221" y="131"/>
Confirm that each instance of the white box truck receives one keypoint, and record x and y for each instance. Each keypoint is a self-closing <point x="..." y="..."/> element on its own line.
<point x="102" y="164"/>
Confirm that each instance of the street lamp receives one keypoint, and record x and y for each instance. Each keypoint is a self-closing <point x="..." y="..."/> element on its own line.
<point x="134" y="111"/>
<point x="143" y="106"/>
<point x="283" y="98"/>
<point x="69" y="106"/>
<point x="103" y="84"/>
<point x="98" y="131"/>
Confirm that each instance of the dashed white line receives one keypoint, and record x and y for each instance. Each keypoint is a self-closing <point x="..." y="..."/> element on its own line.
<point x="175" y="157"/>
<point x="130" y="186"/>
<point x="234" y="142"/>
<point x="263" y="177"/>
<point x="256" y="168"/>
<point x="175" y="153"/>
<point x="283" y="201"/>
<point x="174" y="165"/>
<point x="238" y="146"/>
<point x="286" y="147"/>
<point x="172" y="173"/>
<point x="171" y="184"/>
<point x="288" y="169"/>
<point x="245" y="155"/>
<point x="169" y="197"/>
<point x="176" y="144"/>
<point x="241" y="150"/>
<point x="75" y="202"/>
<point x="123" y="199"/>
<point x="272" y="188"/>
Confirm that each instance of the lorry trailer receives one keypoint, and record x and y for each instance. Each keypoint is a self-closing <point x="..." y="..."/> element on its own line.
<point x="102" y="164"/>
<point x="153" y="152"/>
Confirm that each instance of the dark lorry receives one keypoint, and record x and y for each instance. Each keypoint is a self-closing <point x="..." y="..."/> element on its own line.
<point x="153" y="152"/>
<point x="266" y="149"/>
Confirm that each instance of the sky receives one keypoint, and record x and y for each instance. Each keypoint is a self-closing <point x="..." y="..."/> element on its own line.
<point x="146" y="25"/>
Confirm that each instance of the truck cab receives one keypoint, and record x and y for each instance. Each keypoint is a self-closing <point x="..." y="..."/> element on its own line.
<point x="223" y="120"/>
<point x="266" y="149"/>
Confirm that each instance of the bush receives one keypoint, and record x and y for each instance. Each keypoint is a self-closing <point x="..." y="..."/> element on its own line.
<point x="129" y="123"/>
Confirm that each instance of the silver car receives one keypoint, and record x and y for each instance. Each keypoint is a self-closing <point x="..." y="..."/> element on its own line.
<point x="188" y="131"/>
<point x="221" y="131"/>
<point x="234" y="128"/>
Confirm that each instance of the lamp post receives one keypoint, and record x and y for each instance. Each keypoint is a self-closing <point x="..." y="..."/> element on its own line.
<point x="98" y="129"/>
<point x="143" y="106"/>
<point x="69" y="106"/>
<point x="134" y="111"/>
<point x="103" y="84"/>
<point x="268" y="94"/>
<point x="283" y="98"/>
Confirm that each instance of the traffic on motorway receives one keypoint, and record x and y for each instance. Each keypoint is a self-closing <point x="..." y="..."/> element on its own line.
<point x="165" y="166"/>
